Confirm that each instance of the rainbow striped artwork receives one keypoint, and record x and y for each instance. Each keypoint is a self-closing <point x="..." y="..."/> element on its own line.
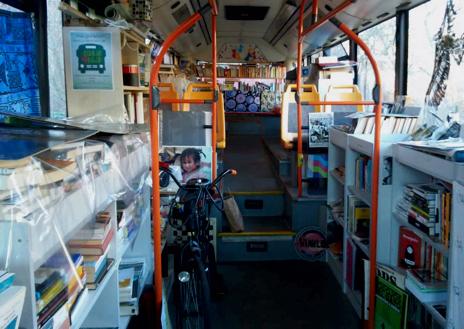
<point x="317" y="166"/>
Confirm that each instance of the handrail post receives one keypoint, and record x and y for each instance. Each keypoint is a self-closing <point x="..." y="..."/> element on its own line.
<point x="298" y="100"/>
<point x="156" y="217"/>
<point x="215" y="101"/>
<point x="377" y="96"/>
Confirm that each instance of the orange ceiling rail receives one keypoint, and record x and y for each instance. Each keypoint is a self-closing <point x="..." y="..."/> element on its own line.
<point x="154" y="127"/>
<point x="377" y="95"/>
<point x="327" y="17"/>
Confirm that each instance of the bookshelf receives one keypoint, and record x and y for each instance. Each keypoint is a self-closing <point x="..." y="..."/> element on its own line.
<point x="414" y="167"/>
<point x="344" y="151"/>
<point x="27" y="243"/>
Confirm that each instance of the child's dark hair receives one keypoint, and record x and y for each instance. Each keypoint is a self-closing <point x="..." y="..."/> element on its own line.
<point x="195" y="154"/>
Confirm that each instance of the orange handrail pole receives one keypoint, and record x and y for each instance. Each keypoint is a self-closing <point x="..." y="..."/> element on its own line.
<point x="375" y="168"/>
<point x="338" y="103"/>
<point x="298" y="93"/>
<point x="315" y="11"/>
<point x="324" y="19"/>
<point x="156" y="217"/>
<point x="214" y="8"/>
<point x="214" y="104"/>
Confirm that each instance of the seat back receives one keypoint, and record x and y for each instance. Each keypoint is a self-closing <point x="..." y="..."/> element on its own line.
<point x="289" y="120"/>
<point x="343" y="93"/>
<point x="204" y="91"/>
<point x="167" y="90"/>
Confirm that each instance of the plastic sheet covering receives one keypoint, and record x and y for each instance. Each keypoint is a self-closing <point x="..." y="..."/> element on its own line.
<point x="185" y="128"/>
<point x="47" y="198"/>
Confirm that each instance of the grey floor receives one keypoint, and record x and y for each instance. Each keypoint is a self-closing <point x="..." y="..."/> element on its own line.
<point x="247" y="154"/>
<point x="291" y="294"/>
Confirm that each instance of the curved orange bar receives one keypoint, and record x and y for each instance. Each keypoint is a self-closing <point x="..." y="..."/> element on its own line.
<point x="156" y="217"/>
<point x="298" y="92"/>
<point x="375" y="174"/>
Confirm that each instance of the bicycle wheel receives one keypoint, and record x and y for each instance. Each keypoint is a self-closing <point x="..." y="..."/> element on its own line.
<point x="193" y="296"/>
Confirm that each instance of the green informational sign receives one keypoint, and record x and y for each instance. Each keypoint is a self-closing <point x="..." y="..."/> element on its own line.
<point x="391" y="305"/>
<point x="91" y="60"/>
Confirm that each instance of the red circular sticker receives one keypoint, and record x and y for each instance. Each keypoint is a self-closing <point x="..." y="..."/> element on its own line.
<point x="310" y="243"/>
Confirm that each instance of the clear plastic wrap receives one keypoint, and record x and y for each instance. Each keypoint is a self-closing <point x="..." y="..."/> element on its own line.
<point x="52" y="197"/>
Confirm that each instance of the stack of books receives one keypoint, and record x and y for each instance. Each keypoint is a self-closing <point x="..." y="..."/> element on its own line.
<point x="131" y="276"/>
<point x="11" y="301"/>
<point x="126" y="218"/>
<point x="93" y="242"/>
<point x="427" y="207"/>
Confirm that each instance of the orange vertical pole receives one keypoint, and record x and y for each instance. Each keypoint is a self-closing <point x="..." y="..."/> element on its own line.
<point x="298" y="94"/>
<point x="214" y="104"/>
<point x="156" y="217"/>
<point x="375" y="167"/>
<point x="315" y="11"/>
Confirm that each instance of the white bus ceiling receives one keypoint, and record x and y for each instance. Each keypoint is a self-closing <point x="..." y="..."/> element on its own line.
<point x="275" y="35"/>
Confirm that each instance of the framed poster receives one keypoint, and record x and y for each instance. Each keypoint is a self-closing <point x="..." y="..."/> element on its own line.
<point x="91" y="62"/>
<point x="318" y="125"/>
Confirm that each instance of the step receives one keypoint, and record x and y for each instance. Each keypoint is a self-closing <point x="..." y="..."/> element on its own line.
<point x="281" y="158"/>
<point x="262" y="204"/>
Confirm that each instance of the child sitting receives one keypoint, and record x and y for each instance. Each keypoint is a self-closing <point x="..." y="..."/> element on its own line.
<point x="191" y="165"/>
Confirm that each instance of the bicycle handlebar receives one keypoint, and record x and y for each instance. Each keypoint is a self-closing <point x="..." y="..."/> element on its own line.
<point x="226" y="172"/>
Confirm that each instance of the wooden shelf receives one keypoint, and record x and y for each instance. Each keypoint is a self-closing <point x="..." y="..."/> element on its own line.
<point x="137" y="89"/>
<point x="337" y="177"/>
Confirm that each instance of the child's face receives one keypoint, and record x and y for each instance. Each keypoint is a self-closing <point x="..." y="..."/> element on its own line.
<point x="188" y="164"/>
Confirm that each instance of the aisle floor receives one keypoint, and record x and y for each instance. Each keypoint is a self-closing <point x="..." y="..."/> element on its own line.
<point x="247" y="154"/>
<point x="290" y="294"/>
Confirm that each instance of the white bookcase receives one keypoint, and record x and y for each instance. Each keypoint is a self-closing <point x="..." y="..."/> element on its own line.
<point x="412" y="166"/>
<point x="25" y="246"/>
<point x="344" y="149"/>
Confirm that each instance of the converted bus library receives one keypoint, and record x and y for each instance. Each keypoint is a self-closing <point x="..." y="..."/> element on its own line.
<point x="231" y="164"/>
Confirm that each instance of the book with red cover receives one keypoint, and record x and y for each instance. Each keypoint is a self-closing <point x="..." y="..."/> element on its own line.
<point x="410" y="249"/>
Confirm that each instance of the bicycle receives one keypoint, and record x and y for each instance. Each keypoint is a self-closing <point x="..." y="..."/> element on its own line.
<point x="194" y="260"/>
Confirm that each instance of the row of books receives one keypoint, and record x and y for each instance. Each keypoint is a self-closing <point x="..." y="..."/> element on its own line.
<point x="245" y="71"/>
<point x="11" y="301"/>
<point x="427" y="267"/>
<point x="427" y="207"/>
<point x="58" y="286"/>
<point x="62" y="280"/>
<point x="363" y="173"/>
<point x="48" y="177"/>
<point x="389" y="125"/>
<point x="358" y="221"/>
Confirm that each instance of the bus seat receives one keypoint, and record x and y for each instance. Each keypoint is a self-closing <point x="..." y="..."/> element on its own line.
<point x="288" y="122"/>
<point x="204" y="91"/>
<point x="343" y="93"/>
<point x="167" y="90"/>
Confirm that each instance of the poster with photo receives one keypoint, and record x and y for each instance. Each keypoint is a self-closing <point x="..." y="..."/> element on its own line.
<point x="318" y="128"/>
<point x="186" y="162"/>
<point x="91" y="60"/>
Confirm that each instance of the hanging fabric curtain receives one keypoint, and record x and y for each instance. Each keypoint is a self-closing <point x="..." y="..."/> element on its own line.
<point x="19" y="86"/>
